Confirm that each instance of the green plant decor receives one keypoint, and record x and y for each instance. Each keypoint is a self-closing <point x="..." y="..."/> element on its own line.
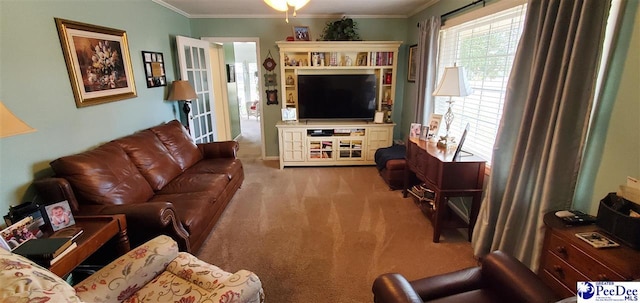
<point x="341" y="30"/>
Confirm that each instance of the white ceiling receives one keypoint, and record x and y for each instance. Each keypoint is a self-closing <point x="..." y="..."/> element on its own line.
<point x="315" y="8"/>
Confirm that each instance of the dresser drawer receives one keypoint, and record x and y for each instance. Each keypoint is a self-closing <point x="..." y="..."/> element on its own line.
<point x="563" y="291"/>
<point x="577" y="258"/>
<point x="562" y="271"/>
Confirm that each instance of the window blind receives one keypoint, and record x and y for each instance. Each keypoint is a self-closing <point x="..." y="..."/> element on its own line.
<point x="485" y="47"/>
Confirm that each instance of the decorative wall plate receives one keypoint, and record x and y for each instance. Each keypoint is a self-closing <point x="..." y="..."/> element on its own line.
<point x="269" y="64"/>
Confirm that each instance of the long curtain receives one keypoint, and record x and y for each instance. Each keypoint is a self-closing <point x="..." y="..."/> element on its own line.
<point x="427" y="55"/>
<point x="537" y="153"/>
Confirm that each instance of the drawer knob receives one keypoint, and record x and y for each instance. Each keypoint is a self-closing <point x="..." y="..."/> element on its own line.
<point x="558" y="270"/>
<point x="603" y="277"/>
<point x="562" y="250"/>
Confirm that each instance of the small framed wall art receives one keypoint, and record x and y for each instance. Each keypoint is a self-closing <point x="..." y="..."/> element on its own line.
<point x="412" y="69"/>
<point x="154" y="69"/>
<point x="98" y="62"/>
<point x="301" y="33"/>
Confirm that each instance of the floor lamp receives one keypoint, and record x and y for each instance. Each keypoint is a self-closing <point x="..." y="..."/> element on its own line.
<point x="453" y="84"/>
<point x="181" y="90"/>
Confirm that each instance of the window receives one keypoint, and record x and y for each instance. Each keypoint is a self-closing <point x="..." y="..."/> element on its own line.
<point x="485" y="47"/>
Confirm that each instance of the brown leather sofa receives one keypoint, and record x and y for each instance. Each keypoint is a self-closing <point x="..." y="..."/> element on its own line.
<point x="500" y="278"/>
<point x="157" y="177"/>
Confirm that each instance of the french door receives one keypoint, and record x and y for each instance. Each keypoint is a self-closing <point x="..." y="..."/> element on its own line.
<point x="195" y="67"/>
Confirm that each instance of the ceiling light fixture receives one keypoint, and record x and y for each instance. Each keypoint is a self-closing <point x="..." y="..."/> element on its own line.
<point x="283" y="6"/>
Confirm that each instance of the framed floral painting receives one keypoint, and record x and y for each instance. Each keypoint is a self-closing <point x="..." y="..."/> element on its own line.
<point x="98" y="62"/>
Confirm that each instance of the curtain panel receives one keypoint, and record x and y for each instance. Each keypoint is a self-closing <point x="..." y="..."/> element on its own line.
<point x="548" y="102"/>
<point x="426" y="68"/>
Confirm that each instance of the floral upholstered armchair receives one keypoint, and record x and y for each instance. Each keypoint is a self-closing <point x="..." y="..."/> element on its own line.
<point x="152" y="272"/>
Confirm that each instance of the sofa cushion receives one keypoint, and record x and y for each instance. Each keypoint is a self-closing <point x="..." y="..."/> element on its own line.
<point x="228" y="166"/>
<point x="176" y="139"/>
<point x="188" y="183"/>
<point x="104" y="175"/>
<point x="24" y="281"/>
<point x="151" y="157"/>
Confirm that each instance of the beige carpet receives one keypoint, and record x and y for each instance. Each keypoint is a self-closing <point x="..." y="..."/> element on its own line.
<point x="324" y="234"/>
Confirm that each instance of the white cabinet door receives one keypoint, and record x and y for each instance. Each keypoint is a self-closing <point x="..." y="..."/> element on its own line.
<point x="377" y="138"/>
<point x="293" y="145"/>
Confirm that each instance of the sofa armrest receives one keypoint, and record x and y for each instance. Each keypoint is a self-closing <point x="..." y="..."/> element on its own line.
<point x="515" y="281"/>
<point x="56" y="190"/>
<point x="448" y="284"/>
<point x="125" y="275"/>
<point x="242" y="286"/>
<point x="394" y="288"/>
<point x="146" y="220"/>
<point x="220" y="149"/>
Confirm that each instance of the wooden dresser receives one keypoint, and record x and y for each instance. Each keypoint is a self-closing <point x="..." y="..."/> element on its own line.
<point x="566" y="259"/>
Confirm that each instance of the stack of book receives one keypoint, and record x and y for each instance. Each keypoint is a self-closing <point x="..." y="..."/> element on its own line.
<point x="47" y="251"/>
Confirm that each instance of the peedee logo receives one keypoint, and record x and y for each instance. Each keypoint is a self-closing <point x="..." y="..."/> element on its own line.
<point x="585" y="290"/>
<point x="608" y="291"/>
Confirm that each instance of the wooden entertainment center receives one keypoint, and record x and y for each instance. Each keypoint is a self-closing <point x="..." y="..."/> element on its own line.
<point x="339" y="142"/>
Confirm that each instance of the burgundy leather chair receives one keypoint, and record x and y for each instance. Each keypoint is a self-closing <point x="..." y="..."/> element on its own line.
<point x="500" y="278"/>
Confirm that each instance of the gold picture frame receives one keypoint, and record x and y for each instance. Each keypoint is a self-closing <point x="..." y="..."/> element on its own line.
<point x="411" y="71"/>
<point x="98" y="62"/>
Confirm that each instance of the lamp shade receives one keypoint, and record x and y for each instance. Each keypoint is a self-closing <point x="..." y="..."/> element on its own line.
<point x="181" y="90"/>
<point x="10" y="125"/>
<point x="453" y="83"/>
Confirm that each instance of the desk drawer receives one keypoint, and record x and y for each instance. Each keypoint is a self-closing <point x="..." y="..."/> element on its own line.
<point x="590" y="268"/>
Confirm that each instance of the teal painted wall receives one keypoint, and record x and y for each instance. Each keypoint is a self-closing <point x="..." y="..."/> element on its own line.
<point x="271" y="30"/>
<point x="34" y="83"/>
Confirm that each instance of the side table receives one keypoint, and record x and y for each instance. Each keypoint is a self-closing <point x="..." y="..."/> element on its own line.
<point x="97" y="230"/>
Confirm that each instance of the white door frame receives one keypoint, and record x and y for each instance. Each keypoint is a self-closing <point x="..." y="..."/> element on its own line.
<point x="256" y="40"/>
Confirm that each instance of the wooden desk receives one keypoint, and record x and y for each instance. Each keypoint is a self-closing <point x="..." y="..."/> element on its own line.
<point x="446" y="178"/>
<point x="566" y="259"/>
<point x="97" y="230"/>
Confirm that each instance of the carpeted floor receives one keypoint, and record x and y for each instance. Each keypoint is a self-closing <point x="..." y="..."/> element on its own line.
<point x="323" y="234"/>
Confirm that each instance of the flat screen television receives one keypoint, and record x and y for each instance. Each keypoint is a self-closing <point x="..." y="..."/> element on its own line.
<point x="337" y="97"/>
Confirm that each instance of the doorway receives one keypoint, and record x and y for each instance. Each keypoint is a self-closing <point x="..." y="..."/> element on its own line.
<point x="245" y="99"/>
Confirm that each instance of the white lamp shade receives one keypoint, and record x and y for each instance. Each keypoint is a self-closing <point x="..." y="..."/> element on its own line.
<point x="10" y="125"/>
<point x="453" y="83"/>
<point x="182" y="90"/>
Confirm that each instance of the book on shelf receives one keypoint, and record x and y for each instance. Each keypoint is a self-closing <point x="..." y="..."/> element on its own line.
<point x="43" y="248"/>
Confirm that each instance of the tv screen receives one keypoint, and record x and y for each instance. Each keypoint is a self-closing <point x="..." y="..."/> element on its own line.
<point x="342" y="97"/>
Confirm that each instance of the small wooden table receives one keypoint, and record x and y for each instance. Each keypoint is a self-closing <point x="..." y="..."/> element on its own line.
<point x="97" y="230"/>
<point x="447" y="178"/>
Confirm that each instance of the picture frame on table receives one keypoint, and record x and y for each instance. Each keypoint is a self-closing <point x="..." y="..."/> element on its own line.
<point x="98" y="62"/>
<point x="59" y="215"/>
<point x="289" y="114"/>
<point x="378" y="117"/>
<point x="154" y="69"/>
<point x="414" y="132"/>
<point x="301" y="33"/>
<point x="434" y="125"/>
<point x="424" y="133"/>
<point x="412" y="62"/>
<point x="19" y="232"/>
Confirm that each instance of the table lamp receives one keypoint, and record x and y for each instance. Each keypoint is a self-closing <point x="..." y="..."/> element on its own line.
<point x="181" y="90"/>
<point x="453" y="84"/>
